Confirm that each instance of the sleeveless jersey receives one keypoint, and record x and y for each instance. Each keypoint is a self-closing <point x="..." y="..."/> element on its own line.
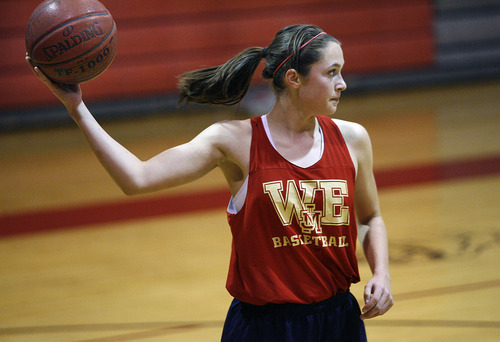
<point x="294" y="239"/>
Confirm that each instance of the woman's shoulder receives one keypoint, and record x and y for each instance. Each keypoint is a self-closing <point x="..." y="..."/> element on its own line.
<point x="229" y="135"/>
<point x="351" y="131"/>
<point x="232" y="128"/>
<point x="356" y="138"/>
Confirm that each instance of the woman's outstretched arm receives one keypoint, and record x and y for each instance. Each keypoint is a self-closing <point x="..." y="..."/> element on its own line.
<point x="172" y="167"/>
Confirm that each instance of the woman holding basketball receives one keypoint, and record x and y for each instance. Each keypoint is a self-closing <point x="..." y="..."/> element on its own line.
<point x="300" y="181"/>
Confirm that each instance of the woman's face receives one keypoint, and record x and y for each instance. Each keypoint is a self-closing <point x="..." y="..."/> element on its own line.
<point x="319" y="91"/>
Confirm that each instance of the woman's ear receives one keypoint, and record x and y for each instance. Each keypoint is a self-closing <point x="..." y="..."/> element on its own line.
<point x="292" y="78"/>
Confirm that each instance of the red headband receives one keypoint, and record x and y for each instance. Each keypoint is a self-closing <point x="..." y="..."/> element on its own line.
<point x="303" y="45"/>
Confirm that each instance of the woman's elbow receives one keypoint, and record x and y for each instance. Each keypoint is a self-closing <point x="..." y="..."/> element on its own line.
<point x="131" y="188"/>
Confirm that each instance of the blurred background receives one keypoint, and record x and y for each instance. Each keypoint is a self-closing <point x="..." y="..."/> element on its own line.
<point x="387" y="44"/>
<point x="79" y="261"/>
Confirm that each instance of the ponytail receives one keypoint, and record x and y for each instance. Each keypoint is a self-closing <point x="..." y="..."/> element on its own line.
<point x="294" y="47"/>
<point x="225" y="84"/>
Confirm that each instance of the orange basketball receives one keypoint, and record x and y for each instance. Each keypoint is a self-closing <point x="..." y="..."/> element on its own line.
<point x="71" y="41"/>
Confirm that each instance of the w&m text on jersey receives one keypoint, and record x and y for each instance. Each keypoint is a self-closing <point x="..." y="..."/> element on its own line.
<point x="299" y="204"/>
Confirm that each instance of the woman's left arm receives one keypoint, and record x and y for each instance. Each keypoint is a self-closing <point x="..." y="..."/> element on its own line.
<point x="377" y="292"/>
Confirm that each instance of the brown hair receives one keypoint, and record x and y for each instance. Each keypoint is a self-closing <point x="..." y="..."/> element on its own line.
<point x="228" y="83"/>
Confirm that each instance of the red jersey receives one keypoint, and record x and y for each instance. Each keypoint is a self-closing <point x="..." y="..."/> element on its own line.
<point x="294" y="239"/>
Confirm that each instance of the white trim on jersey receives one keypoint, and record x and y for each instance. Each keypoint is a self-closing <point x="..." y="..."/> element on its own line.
<point x="311" y="158"/>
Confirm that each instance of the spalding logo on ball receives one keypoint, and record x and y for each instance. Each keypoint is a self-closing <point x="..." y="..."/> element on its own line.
<point x="71" y="41"/>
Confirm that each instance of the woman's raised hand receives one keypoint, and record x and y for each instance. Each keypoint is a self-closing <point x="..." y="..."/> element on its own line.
<point x="69" y="94"/>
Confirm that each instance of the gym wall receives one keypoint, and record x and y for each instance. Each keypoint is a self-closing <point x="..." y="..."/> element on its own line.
<point x="386" y="43"/>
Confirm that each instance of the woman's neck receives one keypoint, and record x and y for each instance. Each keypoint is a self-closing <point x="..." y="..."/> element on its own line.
<point x="285" y="118"/>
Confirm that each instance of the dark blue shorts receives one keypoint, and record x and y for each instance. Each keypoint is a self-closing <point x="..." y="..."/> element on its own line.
<point x="334" y="319"/>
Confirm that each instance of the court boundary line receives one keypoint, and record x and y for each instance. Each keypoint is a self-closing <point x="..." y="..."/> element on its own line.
<point x="154" y="329"/>
<point x="447" y="290"/>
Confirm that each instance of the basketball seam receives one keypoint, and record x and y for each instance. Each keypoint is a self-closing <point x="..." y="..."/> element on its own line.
<point x="36" y="42"/>
<point x="34" y="15"/>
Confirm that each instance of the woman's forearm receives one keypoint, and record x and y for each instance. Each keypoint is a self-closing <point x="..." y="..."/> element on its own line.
<point x="375" y="246"/>
<point x="123" y="166"/>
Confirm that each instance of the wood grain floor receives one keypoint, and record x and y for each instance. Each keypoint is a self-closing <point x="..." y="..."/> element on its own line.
<point x="162" y="278"/>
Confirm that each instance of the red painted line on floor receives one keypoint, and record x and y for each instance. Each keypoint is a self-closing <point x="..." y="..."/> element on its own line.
<point x="140" y="208"/>
<point x="137" y="208"/>
<point x="437" y="172"/>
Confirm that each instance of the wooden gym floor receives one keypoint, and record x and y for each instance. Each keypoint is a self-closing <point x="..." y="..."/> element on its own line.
<point x="81" y="262"/>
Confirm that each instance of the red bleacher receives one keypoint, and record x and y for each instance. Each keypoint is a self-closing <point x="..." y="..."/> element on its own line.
<point x="160" y="39"/>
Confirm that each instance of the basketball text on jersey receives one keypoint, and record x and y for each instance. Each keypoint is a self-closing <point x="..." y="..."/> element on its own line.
<point x="290" y="205"/>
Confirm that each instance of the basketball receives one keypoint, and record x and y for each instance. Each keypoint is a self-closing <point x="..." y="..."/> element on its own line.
<point x="71" y="41"/>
